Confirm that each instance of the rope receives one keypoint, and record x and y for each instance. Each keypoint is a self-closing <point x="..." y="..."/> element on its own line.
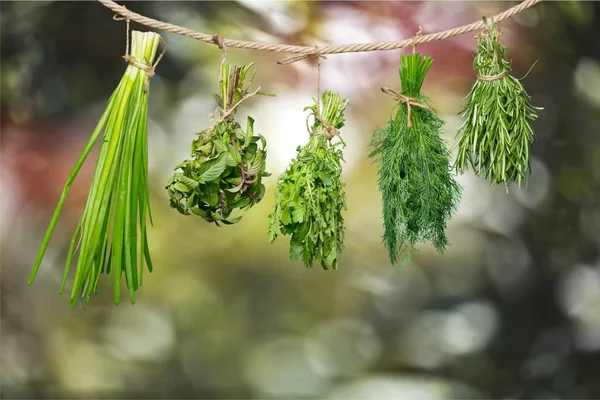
<point x="409" y="101"/>
<point x="306" y="51"/>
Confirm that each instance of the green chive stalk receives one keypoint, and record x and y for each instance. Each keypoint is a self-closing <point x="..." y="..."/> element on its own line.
<point x="419" y="192"/>
<point x="111" y="233"/>
<point x="496" y="137"/>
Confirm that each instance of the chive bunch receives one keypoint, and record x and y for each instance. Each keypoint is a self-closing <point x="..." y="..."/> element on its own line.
<point x="111" y="233"/>
<point x="496" y="136"/>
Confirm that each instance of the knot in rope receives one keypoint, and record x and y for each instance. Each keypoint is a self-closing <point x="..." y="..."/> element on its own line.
<point x="145" y="66"/>
<point x="316" y="53"/>
<point x="328" y="131"/>
<point x="409" y="101"/>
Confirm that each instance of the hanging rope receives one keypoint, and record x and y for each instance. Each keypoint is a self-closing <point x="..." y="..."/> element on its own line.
<point x="307" y="51"/>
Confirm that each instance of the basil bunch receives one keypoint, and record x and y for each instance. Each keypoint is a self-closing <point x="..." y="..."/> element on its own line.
<point x="228" y="164"/>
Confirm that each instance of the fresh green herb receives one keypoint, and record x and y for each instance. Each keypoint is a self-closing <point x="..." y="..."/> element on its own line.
<point x="228" y="164"/>
<point x="111" y="233"/>
<point x="310" y="194"/>
<point x="418" y="191"/>
<point x="496" y="137"/>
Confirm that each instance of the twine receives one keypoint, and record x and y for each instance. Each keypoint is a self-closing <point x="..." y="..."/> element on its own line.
<point x="131" y="60"/>
<point x="306" y="51"/>
<point x="219" y="42"/>
<point x="415" y="38"/>
<point x="492" y="77"/>
<point x="409" y="101"/>
<point x="225" y="112"/>
<point x="328" y="131"/>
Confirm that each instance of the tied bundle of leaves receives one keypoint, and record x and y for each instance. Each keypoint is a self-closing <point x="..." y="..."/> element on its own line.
<point x="228" y="164"/>
<point x="310" y="194"/>
<point x="496" y="137"/>
<point x="111" y="233"/>
<point x="418" y="191"/>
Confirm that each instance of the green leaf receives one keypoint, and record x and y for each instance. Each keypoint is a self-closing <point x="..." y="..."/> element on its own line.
<point x="215" y="169"/>
<point x="234" y="156"/>
<point x="182" y="187"/>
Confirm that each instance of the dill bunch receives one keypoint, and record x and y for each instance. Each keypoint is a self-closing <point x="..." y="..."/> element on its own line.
<point x="228" y="164"/>
<point x="310" y="196"/>
<point x="419" y="193"/>
<point x="111" y="233"/>
<point x="496" y="136"/>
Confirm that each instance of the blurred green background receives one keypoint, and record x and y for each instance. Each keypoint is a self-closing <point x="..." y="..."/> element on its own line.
<point x="512" y="310"/>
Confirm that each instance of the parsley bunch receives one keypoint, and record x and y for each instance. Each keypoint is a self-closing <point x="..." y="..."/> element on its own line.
<point x="111" y="233"/>
<point x="418" y="191"/>
<point x="310" y="194"/>
<point x="228" y="164"/>
<point x="496" y="137"/>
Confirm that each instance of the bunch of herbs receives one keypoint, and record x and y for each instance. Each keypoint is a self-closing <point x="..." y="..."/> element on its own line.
<point x="310" y="194"/>
<point x="496" y="136"/>
<point x="111" y="233"/>
<point x="228" y="164"/>
<point x="419" y="193"/>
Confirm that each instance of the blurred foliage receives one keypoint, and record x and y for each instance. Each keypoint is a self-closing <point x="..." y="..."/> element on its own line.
<point x="509" y="311"/>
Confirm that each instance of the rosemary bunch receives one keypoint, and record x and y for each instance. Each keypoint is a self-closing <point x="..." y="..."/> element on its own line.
<point x="496" y="136"/>
<point x="418" y="191"/>
<point x="228" y="164"/>
<point x="310" y="194"/>
<point x="111" y="233"/>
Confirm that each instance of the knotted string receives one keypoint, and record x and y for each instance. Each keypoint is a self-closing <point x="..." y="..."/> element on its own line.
<point x="409" y="101"/>
<point x="218" y="40"/>
<point x="485" y="31"/>
<point x="148" y="68"/>
<point x="492" y="77"/>
<point x="328" y="131"/>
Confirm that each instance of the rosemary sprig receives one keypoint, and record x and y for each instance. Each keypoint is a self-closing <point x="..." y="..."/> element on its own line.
<point x="228" y="164"/>
<point x="310" y="194"/>
<point x="496" y="136"/>
<point x="118" y="201"/>
<point x="418" y="191"/>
